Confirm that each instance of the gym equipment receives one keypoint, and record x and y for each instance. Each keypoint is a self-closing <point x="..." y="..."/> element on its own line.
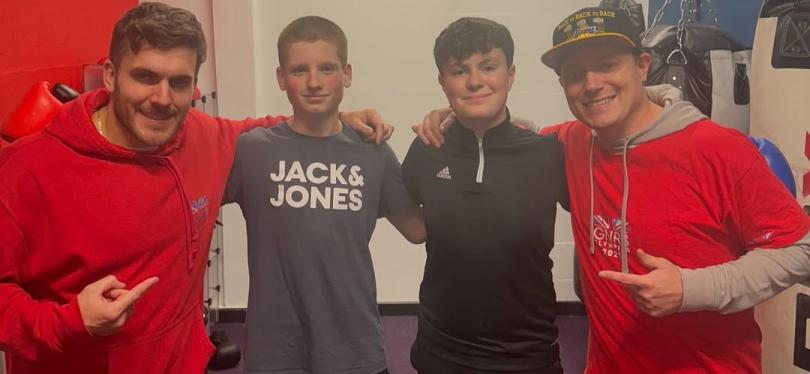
<point x="633" y="8"/>
<point x="227" y="354"/>
<point x="705" y="62"/>
<point x="777" y="162"/>
<point x="38" y="107"/>
<point x="780" y="84"/>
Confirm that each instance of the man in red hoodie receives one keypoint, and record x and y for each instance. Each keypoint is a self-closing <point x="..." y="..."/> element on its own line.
<point x="122" y="189"/>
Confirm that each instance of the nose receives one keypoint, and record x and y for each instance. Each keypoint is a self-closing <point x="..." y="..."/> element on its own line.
<point x="162" y="94"/>
<point x="593" y="81"/>
<point x="313" y="81"/>
<point x="474" y="80"/>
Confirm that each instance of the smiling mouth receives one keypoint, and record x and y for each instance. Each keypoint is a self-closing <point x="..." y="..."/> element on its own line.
<point x="597" y="103"/>
<point x="156" y="117"/>
<point x="477" y="97"/>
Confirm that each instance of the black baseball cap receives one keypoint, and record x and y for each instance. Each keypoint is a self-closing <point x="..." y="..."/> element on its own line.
<point x="591" y="24"/>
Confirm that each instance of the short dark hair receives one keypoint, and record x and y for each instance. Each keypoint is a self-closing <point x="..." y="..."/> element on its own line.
<point x="469" y="35"/>
<point x="160" y="26"/>
<point x="312" y="29"/>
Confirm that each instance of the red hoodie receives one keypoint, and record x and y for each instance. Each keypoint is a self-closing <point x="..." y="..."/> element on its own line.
<point x="75" y="208"/>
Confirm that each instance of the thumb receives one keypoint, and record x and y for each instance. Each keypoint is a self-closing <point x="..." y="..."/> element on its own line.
<point x="651" y="262"/>
<point x="357" y="124"/>
<point x="447" y="122"/>
<point x="105" y="284"/>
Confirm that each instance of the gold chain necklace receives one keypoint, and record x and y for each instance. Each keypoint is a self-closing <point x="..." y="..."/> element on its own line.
<point x="98" y="120"/>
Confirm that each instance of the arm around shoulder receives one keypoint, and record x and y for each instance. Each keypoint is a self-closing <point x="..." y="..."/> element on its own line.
<point x="410" y="224"/>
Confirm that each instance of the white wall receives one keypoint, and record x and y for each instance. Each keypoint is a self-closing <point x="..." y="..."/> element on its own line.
<point x="390" y="48"/>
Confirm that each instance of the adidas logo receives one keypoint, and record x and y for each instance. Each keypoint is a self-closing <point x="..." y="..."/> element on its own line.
<point x="444" y="173"/>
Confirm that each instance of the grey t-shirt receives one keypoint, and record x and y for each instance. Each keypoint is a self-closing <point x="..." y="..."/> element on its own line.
<point x="311" y="205"/>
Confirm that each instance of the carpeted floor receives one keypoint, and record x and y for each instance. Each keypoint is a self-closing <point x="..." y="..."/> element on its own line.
<point x="401" y="330"/>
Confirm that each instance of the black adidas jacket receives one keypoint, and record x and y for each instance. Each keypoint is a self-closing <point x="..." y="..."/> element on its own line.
<point x="487" y="299"/>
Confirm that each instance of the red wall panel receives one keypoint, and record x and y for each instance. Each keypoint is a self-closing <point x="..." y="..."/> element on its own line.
<point x="51" y="40"/>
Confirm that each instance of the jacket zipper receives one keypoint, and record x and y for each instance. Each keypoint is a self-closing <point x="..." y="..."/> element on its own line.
<point x="479" y="177"/>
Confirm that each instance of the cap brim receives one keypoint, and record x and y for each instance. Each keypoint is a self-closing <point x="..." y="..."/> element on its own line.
<point x="553" y="56"/>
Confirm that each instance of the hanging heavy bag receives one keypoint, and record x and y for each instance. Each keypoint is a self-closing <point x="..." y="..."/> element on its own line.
<point x="708" y="64"/>
<point x="633" y="8"/>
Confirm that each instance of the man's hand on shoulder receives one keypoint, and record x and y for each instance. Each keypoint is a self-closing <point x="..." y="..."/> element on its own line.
<point x="368" y="123"/>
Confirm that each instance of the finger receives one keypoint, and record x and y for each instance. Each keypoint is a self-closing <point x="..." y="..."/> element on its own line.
<point x="353" y="120"/>
<point x="623" y="278"/>
<point x="116" y="293"/>
<point x="378" y="128"/>
<point x="105" y="284"/>
<point x="383" y="133"/>
<point x="127" y="299"/>
<point x="651" y="262"/>
<point x="428" y="123"/>
<point x="420" y="133"/>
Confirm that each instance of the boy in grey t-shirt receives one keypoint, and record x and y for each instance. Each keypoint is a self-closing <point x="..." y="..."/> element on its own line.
<point x="311" y="191"/>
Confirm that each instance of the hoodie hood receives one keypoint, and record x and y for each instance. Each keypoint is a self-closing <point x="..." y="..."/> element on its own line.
<point x="677" y="115"/>
<point x="74" y="127"/>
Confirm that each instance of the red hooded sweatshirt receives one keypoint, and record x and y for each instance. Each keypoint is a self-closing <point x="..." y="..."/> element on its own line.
<point x="75" y="208"/>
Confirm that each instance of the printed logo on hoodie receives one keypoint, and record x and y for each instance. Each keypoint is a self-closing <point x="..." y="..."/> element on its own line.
<point x="199" y="210"/>
<point x="607" y="235"/>
<point x="317" y="185"/>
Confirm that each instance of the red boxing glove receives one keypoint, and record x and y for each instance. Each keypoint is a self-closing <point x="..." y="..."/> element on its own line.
<point x="36" y="111"/>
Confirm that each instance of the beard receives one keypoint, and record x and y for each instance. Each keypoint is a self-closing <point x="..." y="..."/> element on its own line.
<point x="140" y="136"/>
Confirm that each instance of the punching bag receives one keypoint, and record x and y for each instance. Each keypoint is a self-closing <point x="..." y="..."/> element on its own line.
<point x="709" y="66"/>
<point x="780" y="112"/>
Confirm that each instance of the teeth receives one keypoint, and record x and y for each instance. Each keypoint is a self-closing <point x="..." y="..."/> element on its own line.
<point x="600" y="102"/>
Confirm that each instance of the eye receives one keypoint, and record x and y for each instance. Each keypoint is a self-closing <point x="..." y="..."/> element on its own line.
<point x="298" y="71"/>
<point x="145" y="77"/>
<point x="573" y="75"/>
<point x="608" y="66"/>
<point x="489" y="68"/>
<point x="181" y="83"/>
<point x="329" y="69"/>
<point x="457" y="71"/>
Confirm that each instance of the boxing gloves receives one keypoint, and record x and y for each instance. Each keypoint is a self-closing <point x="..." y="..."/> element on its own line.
<point x="776" y="160"/>
<point x="38" y="107"/>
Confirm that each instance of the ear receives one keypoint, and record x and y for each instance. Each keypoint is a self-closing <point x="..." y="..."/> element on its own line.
<point x="347" y="75"/>
<point x="109" y="75"/>
<point x="511" y="76"/>
<point x="282" y="83"/>
<point x="440" y="78"/>
<point x="644" y="62"/>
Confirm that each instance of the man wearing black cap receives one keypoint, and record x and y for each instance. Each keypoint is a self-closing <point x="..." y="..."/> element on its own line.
<point x="680" y="226"/>
<point x="671" y="270"/>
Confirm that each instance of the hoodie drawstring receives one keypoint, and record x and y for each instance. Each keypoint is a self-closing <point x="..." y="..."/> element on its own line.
<point x="590" y="173"/>
<point x="192" y="233"/>
<point x="625" y="195"/>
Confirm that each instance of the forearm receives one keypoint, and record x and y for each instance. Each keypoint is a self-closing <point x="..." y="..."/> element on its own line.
<point x="746" y="281"/>
<point x="410" y="224"/>
<point x="29" y="328"/>
<point x="33" y="329"/>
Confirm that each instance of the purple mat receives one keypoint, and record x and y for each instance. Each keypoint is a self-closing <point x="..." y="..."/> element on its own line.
<point x="400" y="332"/>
